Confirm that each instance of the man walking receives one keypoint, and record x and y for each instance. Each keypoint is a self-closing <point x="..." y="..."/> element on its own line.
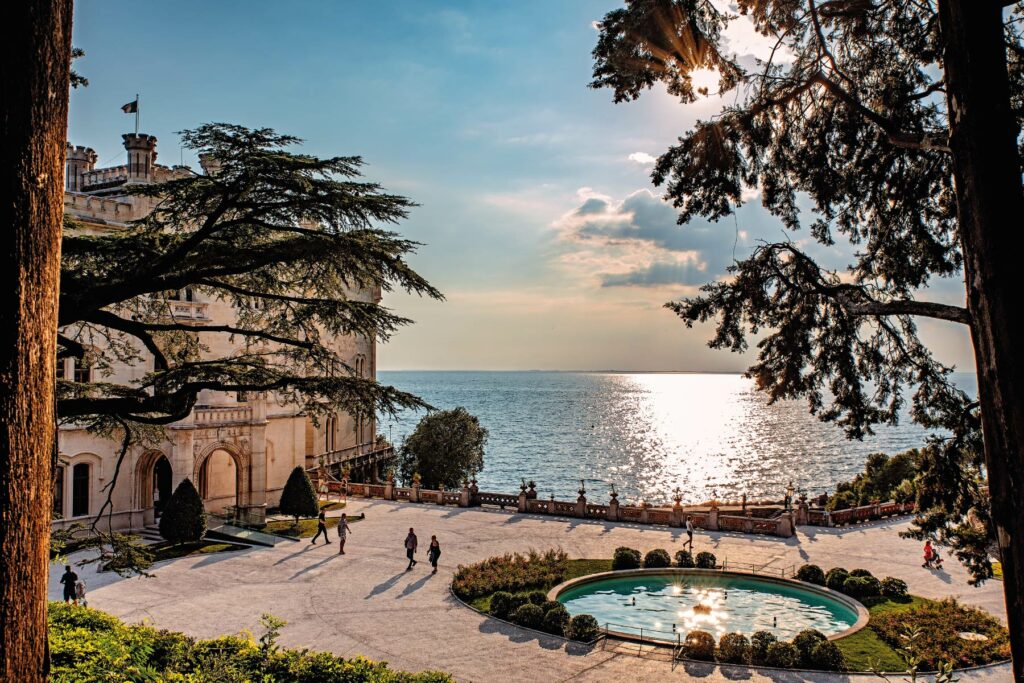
<point x="689" y="531"/>
<point x="70" y="579"/>
<point x="343" y="531"/>
<point x="410" y="548"/>
<point x="321" y="528"/>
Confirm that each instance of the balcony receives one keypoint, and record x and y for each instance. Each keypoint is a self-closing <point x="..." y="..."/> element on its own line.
<point x="189" y="311"/>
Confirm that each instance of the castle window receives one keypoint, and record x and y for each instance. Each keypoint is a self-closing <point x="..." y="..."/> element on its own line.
<point x="82" y="373"/>
<point x="61" y="369"/>
<point x="81" y="479"/>
<point x="58" y="493"/>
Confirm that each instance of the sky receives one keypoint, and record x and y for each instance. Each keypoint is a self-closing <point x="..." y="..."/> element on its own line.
<point x="537" y="216"/>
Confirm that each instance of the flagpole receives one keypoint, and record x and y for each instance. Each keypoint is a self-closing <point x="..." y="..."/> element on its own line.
<point x="136" y="113"/>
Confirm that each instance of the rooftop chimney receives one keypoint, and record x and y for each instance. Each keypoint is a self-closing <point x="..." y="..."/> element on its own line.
<point x="141" y="156"/>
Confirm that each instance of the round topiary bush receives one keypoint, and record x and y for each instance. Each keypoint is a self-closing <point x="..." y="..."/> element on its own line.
<point x="760" y="641"/>
<point x="782" y="655"/>
<point x="625" y="558"/>
<point x="684" y="559"/>
<point x="734" y="648"/>
<point x="827" y="656"/>
<point x="657" y="559"/>
<point x="584" y="628"/>
<point x="805" y="642"/>
<point x="861" y="572"/>
<point x="550" y="605"/>
<point x="536" y="597"/>
<point x="556" y="620"/>
<point x="860" y="587"/>
<point x="836" y="577"/>
<point x="706" y="560"/>
<point x="811" y="573"/>
<point x="184" y="518"/>
<point x="699" y="645"/>
<point x="501" y="605"/>
<point x="894" y="588"/>
<point x="529" y="616"/>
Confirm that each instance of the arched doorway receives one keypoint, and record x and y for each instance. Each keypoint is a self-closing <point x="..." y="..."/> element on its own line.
<point x="153" y="484"/>
<point x="220" y="480"/>
<point x="161" y="485"/>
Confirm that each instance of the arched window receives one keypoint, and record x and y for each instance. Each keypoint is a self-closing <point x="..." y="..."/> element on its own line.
<point x="58" y="490"/>
<point x="81" y="480"/>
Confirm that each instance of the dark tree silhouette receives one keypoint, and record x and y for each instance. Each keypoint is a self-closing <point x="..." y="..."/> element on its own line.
<point x="298" y="498"/>
<point x="446" y="448"/>
<point x="184" y="518"/>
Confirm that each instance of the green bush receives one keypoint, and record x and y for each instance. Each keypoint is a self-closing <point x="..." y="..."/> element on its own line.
<point x="805" y="642"/>
<point x="836" y="577"/>
<point x="811" y="573"/>
<point x="550" y="605"/>
<point x="782" y="655"/>
<point x="734" y="648"/>
<point x="556" y="620"/>
<point x="827" y="656"/>
<point x="501" y="605"/>
<point x="862" y="587"/>
<point x="894" y="588"/>
<point x="657" y="559"/>
<point x="87" y="645"/>
<point x="529" y="616"/>
<point x="684" y="559"/>
<point x="584" y="628"/>
<point x="625" y="558"/>
<point x="699" y="645"/>
<point x="760" y="641"/>
<point x="706" y="560"/>
<point x="510" y="572"/>
<point x="184" y="518"/>
<point x="861" y="572"/>
<point x="842" y="501"/>
<point x="298" y="497"/>
<point x="536" y="597"/>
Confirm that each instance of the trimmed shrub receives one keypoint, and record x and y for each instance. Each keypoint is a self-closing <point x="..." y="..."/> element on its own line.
<point x="862" y="586"/>
<point x="550" y="605"/>
<point x="836" y="577"/>
<point x="684" y="559"/>
<point x="529" y="616"/>
<point x="811" y="573"/>
<point x="510" y="572"/>
<point x="298" y="498"/>
<point x="501" y="605"/>
<point x="760" y="641"/>
<point x="699" y="645"/>
<point x="861" y="572"/>
<point x="657" y="559"/>
<point x="625" y="558"/>
<point x="706" y="560"/>
<point x="734" y="648"/>
<point x="536" y="597"/>
<point x="184" y="519"/>
<point x="805" y="642"/>
<point x="827" y="656"/>
<point x="782" y="655"/>
<point x="556" y="620"/>
<point x="583" y="627"/>
<point x="894" y="588"/>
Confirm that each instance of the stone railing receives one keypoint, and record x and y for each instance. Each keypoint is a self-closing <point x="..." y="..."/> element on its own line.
<point x="189" y="310"/>
<point x="218" y="415"/>
<point x="857" y="515"/>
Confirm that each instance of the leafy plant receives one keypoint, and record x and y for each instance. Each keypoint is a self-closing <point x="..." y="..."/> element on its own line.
<point x="184" y="518"/>
<point x="836" y="578"/>
<point x="501" y="605"/>
<point x="827" y="656"/>
<point x="699" y="645"/>
<point x="782" y="655"/>
<point x="805" y="642"/>
<point x="684" y="559"/>
<point x="584" y="628"/>
<point x="894" y="588"/>
<point x="862" y="586"/>
<point x="299" y="498"/>
<point x="657" y="559"/>
<point x="811" y="573"/>
<point x="760" y="641"/>
<point x="528" y="616"/>
<point x="556" y="620"/>
<point x="510" y="572"/>
<point x="625" y="558"/>
<point x="734" y="648"/>
<point x="446" y="448"/>
<point x="706" y="560"/>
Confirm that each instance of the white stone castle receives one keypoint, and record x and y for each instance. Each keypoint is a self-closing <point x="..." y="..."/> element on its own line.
<point x="237" y="449"/>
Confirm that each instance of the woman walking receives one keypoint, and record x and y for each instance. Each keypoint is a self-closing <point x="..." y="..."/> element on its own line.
<point x="343" y="531"/>
<point x="434" y="552"/>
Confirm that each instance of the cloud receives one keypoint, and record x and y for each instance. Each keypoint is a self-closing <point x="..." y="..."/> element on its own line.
<point x="660" y="273"/>
<point x="642" y="158"/>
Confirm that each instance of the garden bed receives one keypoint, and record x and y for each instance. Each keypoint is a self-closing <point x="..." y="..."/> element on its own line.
<point x="306" y="528"/>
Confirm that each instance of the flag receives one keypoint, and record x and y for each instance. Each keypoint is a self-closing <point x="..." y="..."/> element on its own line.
<point x="131" y="108"/>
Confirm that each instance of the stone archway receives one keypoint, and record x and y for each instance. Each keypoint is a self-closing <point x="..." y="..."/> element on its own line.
<point x="212" y="471"/>
<point x="153" y="479"/>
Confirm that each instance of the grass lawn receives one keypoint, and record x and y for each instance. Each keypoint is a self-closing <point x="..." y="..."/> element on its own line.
<point x="576" y="569"/>
<point x="864" y="649"/>
<point x="169" y="551"/>
<point x="306" y="527"/>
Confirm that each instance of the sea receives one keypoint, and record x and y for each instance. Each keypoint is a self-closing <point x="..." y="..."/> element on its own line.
<point x="709" y="435"/>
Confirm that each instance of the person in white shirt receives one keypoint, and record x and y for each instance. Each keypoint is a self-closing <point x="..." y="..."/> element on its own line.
<point x="343" y="531"/>
<point x="689" y="532"/>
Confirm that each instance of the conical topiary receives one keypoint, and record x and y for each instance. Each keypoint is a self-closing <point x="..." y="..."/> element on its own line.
<point x="184" y="518"/>
<point x="298" y="498"/>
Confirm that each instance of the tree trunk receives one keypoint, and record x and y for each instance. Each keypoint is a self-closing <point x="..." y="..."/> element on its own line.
<point x="990" y="203"/>
<point x="33" y="125"/>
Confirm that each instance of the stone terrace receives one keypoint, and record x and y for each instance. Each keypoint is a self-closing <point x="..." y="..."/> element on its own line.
<point x="366" y="603"/>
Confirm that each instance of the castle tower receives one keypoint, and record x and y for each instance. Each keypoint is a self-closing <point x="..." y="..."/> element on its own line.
<point x="78" y="161"/>
<point x="141" y="156"/>
<point x="211" y="166"/>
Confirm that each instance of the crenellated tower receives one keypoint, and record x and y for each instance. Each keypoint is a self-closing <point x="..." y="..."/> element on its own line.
<point x="141" y="156"/>
<point x="78" y="162"/>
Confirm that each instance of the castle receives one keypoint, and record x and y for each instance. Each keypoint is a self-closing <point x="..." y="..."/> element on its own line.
<point x="237" y="449"/>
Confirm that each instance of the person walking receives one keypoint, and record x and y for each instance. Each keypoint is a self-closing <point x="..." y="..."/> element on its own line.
<point x="343" y="531"/>
<point x="410" y="548"/>
<point x="689" y="531"/>
<point x="321" y="528"/>
<point x="433" y="552"/>
<point x="929" y="554"/>
<point x="69" y="579"/>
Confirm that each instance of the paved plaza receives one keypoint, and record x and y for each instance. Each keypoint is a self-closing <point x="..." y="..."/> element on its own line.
<point x="366" y="603"/>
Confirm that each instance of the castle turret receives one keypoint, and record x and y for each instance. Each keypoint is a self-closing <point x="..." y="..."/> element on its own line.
<point x="78" y="161"/>
<point x="141" y="156"/>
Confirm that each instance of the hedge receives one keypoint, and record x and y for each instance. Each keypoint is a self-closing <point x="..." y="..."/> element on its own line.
<point x="510" y="572"/>
<point x="625" y="558"/>
<point x="657" y="559"/>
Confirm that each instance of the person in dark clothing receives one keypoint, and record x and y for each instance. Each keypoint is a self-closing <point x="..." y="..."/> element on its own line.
<point x="69" y="579"/>
<point x="410" y="548"/>
<point x="321" y="528"/>
<point x="434" y="552"/>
